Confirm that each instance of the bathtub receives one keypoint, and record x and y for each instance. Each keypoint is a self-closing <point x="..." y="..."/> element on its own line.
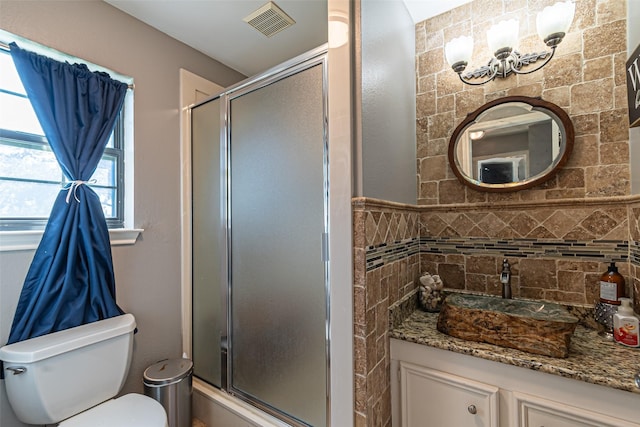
<point x="219" y="409"/>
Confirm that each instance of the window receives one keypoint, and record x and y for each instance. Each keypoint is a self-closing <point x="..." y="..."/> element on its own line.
<point x="30" y="177"/>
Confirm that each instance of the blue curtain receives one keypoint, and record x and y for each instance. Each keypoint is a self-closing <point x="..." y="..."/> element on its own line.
<point x="70" y="281"/>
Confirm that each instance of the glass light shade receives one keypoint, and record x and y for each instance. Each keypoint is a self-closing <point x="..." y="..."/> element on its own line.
<point x="503" y="35"/>
<point x="459" y="50"/>
<point x="555" y="19"/>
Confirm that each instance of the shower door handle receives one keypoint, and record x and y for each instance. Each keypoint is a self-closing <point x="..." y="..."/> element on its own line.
<point x="325" y="247"/>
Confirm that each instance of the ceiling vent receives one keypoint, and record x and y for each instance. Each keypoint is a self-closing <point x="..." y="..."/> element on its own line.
<point x="269" y="19"/>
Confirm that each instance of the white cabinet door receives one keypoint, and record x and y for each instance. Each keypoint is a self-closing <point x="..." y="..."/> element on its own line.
<point x="438" y="399"/>
<point x="532" y="411"/>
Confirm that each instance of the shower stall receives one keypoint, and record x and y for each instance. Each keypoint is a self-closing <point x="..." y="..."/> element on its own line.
<point x="260" y="254"/>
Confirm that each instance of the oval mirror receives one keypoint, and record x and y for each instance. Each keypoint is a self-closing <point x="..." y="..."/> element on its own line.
<point x="511" y="144"/>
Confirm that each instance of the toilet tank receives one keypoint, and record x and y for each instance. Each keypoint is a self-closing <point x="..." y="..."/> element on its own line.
<point x="69" y="371"/>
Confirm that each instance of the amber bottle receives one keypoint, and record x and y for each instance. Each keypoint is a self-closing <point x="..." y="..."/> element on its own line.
<point x="611" y="286"/>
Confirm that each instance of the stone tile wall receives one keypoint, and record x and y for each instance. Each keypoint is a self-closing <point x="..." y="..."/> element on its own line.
<point x="562" y="233"/>
<point x="557" y="249"/>
<point x="586" y="78"/>
<point x="386" y="269"/>
<point x="634" y="253"/>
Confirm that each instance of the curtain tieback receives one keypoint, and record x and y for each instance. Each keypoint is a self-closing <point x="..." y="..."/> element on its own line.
<point x="72" y="187"/>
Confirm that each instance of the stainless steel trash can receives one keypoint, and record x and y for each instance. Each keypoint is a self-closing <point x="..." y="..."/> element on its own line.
<point x="170" y="383"/>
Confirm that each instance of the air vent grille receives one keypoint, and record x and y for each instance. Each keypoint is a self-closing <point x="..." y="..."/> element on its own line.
<point x="269" y="19"/>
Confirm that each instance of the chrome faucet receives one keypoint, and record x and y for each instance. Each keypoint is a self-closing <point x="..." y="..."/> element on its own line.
<point x="505" y="279"/>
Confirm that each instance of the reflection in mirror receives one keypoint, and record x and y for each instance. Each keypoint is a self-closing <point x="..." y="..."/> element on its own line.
<point x="511" y="144"/>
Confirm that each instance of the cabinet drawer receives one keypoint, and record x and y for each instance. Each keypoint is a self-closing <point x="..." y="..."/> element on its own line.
<point x="532" y="411"/>
<point x="431" y="397"/>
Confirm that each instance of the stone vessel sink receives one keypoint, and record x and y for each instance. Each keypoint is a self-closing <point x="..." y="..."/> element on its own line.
<point x="533" y="326"/>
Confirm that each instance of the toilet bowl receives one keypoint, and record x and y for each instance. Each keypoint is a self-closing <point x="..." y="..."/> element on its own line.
<point x="130" y="410"/>
<point x="71" y="377"/>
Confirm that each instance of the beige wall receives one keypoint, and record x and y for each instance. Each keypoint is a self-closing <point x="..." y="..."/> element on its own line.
<point x="147" y="273"/>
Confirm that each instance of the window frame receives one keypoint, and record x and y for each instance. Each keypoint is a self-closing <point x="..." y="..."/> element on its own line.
<point x="25" y="233"/>
<point x="118" y="152"/>
<point x="37" y="142"/>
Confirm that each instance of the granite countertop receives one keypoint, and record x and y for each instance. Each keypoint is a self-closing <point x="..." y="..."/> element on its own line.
<point x="592" y="358"/>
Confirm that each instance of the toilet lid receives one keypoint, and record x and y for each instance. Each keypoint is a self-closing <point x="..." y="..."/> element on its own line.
<point x="130" y="410"/>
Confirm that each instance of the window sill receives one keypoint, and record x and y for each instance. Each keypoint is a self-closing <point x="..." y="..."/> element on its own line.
<point x="28" y="240"/>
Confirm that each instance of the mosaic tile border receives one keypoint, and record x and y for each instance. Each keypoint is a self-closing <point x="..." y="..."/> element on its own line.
<point x="634" y="253"/>
<point x="385" y="253"/>
<point x="608" y="250"/>
<point x="600" y="250"/>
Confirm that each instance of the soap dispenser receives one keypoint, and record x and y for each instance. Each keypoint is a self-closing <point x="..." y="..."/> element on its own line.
<point x="625" y="325"/>
<point x="611" y="285"/>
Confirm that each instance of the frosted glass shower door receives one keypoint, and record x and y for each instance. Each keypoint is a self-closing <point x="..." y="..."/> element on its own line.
<point x="208" y="242"/>
<point x="278" y="217"/>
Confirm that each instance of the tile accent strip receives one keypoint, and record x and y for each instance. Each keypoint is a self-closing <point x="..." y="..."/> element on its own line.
<point x="385" y="253"/>
<point x="634" y="253"/>
<point x="601" y="250"/>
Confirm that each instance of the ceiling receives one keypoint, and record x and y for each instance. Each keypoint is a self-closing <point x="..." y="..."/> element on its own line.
<point x="216" y="28"/>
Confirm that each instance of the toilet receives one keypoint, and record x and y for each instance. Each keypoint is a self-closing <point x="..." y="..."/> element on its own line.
<point x="70" y="377"/>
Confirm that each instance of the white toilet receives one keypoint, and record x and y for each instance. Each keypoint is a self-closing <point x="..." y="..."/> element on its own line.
<point x="70" y="377"/>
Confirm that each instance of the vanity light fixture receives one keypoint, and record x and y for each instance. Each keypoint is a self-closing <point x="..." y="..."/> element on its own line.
<point x="552" y="25"/>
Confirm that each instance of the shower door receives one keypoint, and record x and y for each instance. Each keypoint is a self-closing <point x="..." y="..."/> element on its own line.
<point x="272" y="342"/>
<point x="208" y="242"/>
<point x="278" y="220"/>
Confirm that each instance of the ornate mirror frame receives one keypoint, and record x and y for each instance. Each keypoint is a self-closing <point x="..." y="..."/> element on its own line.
<point x="555" y="112"/>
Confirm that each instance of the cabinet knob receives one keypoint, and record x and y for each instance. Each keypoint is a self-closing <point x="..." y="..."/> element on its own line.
<point x="472" y="409"/>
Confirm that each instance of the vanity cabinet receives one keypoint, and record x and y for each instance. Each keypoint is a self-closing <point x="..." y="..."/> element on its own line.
<point x="425" y="392"/>
<point x="533" y="411"/>
<point x="434" y="387"/>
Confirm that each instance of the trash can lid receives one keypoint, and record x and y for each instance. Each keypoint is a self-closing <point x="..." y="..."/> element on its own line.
<point x="168" y="371"/>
